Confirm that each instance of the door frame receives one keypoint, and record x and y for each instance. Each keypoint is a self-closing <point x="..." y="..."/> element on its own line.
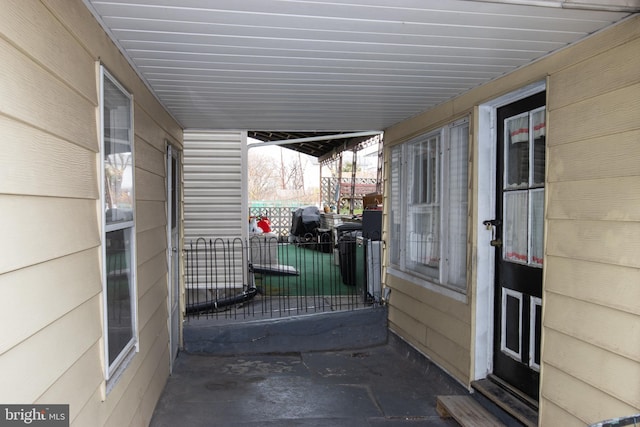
<point x="173" y="152"/>
<point x="485" y="152"/>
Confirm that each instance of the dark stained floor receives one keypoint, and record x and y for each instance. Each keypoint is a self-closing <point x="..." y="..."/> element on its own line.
<point x="386" y="385"/>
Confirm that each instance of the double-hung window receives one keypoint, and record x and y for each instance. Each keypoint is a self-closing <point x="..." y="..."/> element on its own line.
<point x="429" y="206"/>
<point x="118" y="202"/>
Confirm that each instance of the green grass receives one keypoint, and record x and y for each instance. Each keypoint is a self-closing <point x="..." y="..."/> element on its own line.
<point x="318" y="274"/>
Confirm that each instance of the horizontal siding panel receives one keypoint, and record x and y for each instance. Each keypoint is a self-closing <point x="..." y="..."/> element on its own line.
<point x="454" y="358"/>
<point x="154" y="337"/>
<point x="84" y="27"/>
<point x="219" y="186"/>
<point x="150" y="186"/>
<point x="150" y="214"/>
<point x="204" y="137"/>
<point x="195" y="232"/>
<point x="155" y="362"/>
<point x="152" y="394"/>
<point x="604" y="157"/>
<point x="213" y="184"/>
<point x="586" y="403"/>
<point x="29" y="24"/>
<point x="230" y="215"/>
<point x="37" y="229"/>
<point x="88" y="414"/>
<point x="32" y="95"/>
<point x="415" y="332"/>
<point x="608" y="372"/>
<point x="148" y="130"/>
<point x="439" y="321"/>
<point x="610" y="199"/>
<point x="230" y="225"/>
<point x="78" y="383"/>
<point x="603" y="284"/>
<point x="443" y="351"/>
<point x="200" y="208"/>
<point x="568" y="86"/>
<point x="443" y="303"/>
<point x="36" y="163"/>
<point x="611" y="113"/>
<point x="213" y="174"/>
<point x="615" y="331"/>
<point x="150" y="271"/>
<point x="25" y="376"/>
<point x="149" y="158"/>
<point x="606" y="242"/>
<point x="70" y="281"/>
<point x="221" y="168"/>
<point x="150" y="243"/>
<point x="155" y="298"/>
<point x="553" y="415"/>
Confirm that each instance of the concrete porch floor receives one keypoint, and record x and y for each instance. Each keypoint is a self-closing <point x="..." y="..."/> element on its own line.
<point x="386" y="385"/>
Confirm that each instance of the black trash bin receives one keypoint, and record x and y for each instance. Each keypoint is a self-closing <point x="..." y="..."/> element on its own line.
<point x="347" y="235"/>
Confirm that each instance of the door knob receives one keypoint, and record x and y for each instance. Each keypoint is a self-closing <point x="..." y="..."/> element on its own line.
<point x="492" y="225"/>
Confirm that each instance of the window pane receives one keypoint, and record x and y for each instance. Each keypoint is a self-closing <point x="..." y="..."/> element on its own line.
<point x="539" y="140"/>
<point x="423" y="208"/>
<point x="515" y="232"/>
<point x="119" y="283"/>
<point x="516" y="152"/>
<point x="117" y="154"/>
<point x="395" y="182"/>
<point x="458" y="195"/>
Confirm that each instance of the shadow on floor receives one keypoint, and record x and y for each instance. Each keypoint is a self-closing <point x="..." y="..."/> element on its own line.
<point x="387" y="385"/>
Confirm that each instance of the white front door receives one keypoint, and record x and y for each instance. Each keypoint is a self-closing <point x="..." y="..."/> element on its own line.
<point x="173" y="248"/>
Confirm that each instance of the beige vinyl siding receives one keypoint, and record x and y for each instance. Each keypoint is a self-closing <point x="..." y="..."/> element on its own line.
<point x="591" y="344"/>
<point x="215" y="203"/>
<point x="51" y="348"/>
<point x="591" y="318"/>
<point x="433" y="323"/>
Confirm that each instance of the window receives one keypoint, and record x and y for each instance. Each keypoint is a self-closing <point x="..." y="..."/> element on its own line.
<point x="118" y="246"/>
<point x="429" y="200"/>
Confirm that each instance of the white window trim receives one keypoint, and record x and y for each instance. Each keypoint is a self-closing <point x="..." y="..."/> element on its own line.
<point x="112" y="372"/>
<point x="439" y="285"/>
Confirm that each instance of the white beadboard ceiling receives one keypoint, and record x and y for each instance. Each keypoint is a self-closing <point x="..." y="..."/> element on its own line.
<point x="334" y="65"/>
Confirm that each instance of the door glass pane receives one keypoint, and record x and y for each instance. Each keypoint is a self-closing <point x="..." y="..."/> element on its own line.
<point x="515" y="230"/>
<point x="118" y="260"/>
<point x="539" y="140"/>
<point x="516" y="152"/>
<point x="537" y="226"/>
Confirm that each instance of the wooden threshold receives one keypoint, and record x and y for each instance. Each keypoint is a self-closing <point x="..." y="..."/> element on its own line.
<point x="517" y="406"/>
<point x="466" y="411"/>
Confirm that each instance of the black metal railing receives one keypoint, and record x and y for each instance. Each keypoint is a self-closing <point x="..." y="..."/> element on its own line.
<point x="265" y="278"/>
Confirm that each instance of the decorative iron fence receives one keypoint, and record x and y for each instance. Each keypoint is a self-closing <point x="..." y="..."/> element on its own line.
<point x="265" y="278"/>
